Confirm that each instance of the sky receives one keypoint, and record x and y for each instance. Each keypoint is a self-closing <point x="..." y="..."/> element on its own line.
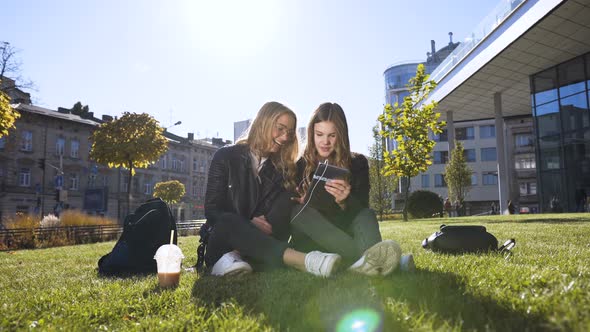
<point x="212" y="63"/>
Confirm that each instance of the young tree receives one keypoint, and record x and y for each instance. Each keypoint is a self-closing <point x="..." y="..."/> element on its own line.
<point x="132" y="141"/>
<point x="170" y="191"/>
<point x="408" y="125"/>
<point x="458" y="175"/>
<point x="7" y="114"/>
<point x="382" y="187"/>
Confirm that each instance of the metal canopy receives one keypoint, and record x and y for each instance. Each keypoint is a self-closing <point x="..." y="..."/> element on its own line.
<point x="563" y="33"/>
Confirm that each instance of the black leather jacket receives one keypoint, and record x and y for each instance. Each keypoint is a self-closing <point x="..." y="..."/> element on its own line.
<point x="232" y="186"/>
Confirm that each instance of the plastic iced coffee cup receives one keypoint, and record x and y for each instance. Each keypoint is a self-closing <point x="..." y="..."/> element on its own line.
<point x="169" y="258"/>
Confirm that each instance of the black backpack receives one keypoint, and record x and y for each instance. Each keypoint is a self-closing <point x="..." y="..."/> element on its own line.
<point x="144" y="231"/>
<point x="464" y="239"/>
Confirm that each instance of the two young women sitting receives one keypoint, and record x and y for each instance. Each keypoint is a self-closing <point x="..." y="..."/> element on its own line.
<point x="254" y="201"/>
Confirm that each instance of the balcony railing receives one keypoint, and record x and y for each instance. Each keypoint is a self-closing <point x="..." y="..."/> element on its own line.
<point x="481" y="32"/>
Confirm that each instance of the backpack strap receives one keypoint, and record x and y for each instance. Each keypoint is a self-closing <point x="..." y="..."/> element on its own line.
<point x="204" y="233"/>
<point x="507" y="246"/>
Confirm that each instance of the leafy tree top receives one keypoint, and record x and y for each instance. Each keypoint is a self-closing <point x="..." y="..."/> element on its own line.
<point x="7" y="115"/>
<point x="458" y="174"/>
<point x="408" y="125"/>
<point x="169" y="191"/>
<point x="132" y="141"/>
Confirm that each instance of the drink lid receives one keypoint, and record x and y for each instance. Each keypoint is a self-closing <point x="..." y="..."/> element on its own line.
<point x="169" y="250"/>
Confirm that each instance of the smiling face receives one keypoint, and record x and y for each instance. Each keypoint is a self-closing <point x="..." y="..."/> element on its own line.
<point x="324" y="137"/>
<point x="283" y="131"/>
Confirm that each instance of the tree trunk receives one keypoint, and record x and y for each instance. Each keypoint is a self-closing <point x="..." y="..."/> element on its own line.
<point x="406" y="195"/>
<point x="129" y="188"/>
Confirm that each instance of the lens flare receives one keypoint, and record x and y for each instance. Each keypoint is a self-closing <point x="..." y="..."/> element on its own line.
<point x="362" y="320"/>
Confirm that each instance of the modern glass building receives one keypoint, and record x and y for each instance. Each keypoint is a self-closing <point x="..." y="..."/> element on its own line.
<point x="528" y="58"/>
<point x="559" y="97"/>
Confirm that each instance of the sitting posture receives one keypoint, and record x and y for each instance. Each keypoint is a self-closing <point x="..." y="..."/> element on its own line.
<point x="346" y="225"/>
<point x="247" y="202"/>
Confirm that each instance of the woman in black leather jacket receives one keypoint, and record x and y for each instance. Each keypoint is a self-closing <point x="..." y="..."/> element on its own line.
<point x="346" y="225"/>
<point x="247" y="202"/>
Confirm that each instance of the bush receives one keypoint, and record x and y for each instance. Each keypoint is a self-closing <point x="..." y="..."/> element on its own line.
<point x="425" y="204"/>
<point x="29" y="232"/>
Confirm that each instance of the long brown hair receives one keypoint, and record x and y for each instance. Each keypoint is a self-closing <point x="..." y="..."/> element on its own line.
<point x="259" y="139"/>
<point x="341" y="156"/>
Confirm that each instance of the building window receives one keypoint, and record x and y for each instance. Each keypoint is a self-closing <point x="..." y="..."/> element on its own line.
<point x="2" y="142"/>
<point x="490" y="178"/>
<point x="525" y="162"/>
<point x="175" y="164"/>
<point x="24" y="177"/>
<point x="466" y="133"/>
<point x="26" y="141"/>
<point x="148" y="188"/>
<point x="474" y="179"/>
<point x="441" y="157"/>
<point x="523" y="140"/>
<point x="487" y="131"/>
<point x="195" y="190"/>
<point x="74" y="181"/>
<point x="442" y="137"/>
<point x="528" y="188"/>
<point x="105" y="180"/>
<point x="123" y="184"/>
<point x="488" y="154"/>
<point x="425" y="180"/>
<point x="469" y="155"/>
<point x="60" y="144"/>
<point x="439" y="180"/>
<point x="74" y="148"/>
<point x="164" y="162"/>
<point x="182" y="165"/>
<point x="195" y="164"/>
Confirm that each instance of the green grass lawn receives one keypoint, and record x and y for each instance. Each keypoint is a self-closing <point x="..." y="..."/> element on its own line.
<point x="544" y="285"/>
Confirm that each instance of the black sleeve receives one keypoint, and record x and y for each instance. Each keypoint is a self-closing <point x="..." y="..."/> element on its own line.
<point x="217" y="187"/>
<point x="359" y="192"/>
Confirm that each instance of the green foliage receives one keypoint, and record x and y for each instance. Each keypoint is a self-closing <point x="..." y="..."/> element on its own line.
<point x="7" y="114"/>
<point x="78" y="109"/>
<point x="132" y="141"/>
<point x="408" y="125"/>
<point x="382" y="187"/>
<point x="424" y="204"/>
<point x="458" y="174"/>
<point x="170" y="191"/>
<point x="543" y="286"/>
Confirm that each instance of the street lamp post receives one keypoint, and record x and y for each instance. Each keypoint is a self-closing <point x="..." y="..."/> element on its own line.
<point x="175" y="124"/>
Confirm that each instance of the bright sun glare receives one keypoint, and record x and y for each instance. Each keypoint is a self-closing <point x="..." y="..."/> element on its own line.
<point x="232" y="27"/>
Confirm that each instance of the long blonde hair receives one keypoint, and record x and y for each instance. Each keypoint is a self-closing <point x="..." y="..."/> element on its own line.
<point x="259" y="138"/>
<point x="341" y="156"/>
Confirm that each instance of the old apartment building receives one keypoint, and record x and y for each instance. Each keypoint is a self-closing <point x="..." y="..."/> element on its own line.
<point x="44" y="168"/>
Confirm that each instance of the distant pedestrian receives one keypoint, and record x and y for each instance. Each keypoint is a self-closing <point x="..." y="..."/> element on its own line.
<point x="494" y="208"/>
<point x="581" y="198"/>
<point x="511" y="208"/>
<point x="457" y="208"/>
<point x="448" y="207"/>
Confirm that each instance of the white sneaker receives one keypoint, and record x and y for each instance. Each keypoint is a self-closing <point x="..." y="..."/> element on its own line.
<point x="321" y="264"/>
<point x="230" y="263"/>
<point x="381" y="259"/>
<point x="406" y="263"/>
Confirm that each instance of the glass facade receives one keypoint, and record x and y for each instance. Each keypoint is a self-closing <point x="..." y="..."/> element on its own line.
<point x="397" y="77"/>
<point x="562" y="121"/>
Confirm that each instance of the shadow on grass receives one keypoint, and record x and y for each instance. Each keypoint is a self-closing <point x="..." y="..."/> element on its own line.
<point x="291" y="300"/>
